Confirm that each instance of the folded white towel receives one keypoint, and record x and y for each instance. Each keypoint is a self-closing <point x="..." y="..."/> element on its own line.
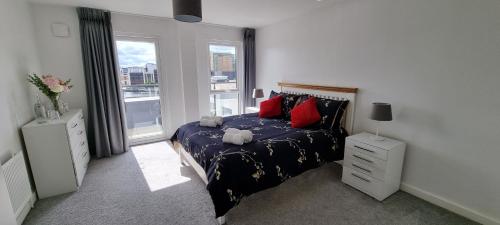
<point x="246" y="134"/>
<point x="233" y="138"/>
<point x="232" y="130"/>
<point x="208" y="123"/>
<point x="218" y="119"/>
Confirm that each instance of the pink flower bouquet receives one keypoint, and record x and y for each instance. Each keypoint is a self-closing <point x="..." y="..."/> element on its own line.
<point x="51" y="86"/>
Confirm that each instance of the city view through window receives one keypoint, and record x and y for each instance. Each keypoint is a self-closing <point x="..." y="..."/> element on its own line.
<point x="224" y="96"/>
<point x="139" y="81"/>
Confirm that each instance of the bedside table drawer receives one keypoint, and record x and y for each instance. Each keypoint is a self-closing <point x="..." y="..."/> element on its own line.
<point x="365" y="164"/>
<point x="373" y="167"/>
<point x="364" y="183"/>
<point x="367" y="149"/>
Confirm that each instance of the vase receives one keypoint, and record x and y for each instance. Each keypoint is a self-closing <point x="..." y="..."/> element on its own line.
<point x="40" y="111"/>
<point x="55" y="104"/>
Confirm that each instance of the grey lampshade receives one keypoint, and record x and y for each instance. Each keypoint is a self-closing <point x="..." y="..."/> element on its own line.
<point x="381" y="112"/>
<point x="257" y="93"/>
<point x="187" y="10"/>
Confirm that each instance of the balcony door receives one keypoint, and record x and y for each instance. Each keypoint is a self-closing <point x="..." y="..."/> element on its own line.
<point x="225" y="79"/>
<point x="140" y="84"/>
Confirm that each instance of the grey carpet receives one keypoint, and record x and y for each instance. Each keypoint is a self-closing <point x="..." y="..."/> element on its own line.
<point x="147" y="186"/>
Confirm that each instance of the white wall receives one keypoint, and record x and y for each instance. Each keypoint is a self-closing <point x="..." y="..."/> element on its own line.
<point x="181" y="49"/>
<point x="436" y="61"/>
<point x="18" y="57"/>
<point x="61" y="56"/>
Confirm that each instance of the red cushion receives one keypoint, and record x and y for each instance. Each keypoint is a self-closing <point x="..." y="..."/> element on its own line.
<point x="271" y="107"/>
<point x="305" y="114"/>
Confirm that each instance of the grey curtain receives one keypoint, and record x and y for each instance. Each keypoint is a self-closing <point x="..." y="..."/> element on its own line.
<point x="107" y="130"/>
<point x="249" y="52"/>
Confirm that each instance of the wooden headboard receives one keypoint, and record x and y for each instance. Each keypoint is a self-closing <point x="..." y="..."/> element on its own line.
<point x="331" y="92"/>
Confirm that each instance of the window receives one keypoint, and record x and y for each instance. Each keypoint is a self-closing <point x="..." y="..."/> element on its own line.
<point x="140" y="86"/>
<point x="224" y="80"/>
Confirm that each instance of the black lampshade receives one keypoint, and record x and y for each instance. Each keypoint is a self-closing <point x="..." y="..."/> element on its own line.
<point x="381" y="112"/>
<point x="187" y="10"/>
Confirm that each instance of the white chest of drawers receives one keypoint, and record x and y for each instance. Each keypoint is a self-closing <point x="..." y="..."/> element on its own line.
<point x="373" y="167"/>
<point x="58" y="153"/>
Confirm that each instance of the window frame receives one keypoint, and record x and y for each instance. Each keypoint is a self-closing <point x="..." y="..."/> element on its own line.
<point x="161" y="80"/>
<point x="239" y="71"/>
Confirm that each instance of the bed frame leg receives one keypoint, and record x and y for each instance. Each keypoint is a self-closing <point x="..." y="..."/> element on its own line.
<point x="222" y="220"/>
<point x="181" y="158"/>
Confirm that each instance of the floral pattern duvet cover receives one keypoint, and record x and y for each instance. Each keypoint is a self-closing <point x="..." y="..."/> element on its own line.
<point x="277" y="152"/>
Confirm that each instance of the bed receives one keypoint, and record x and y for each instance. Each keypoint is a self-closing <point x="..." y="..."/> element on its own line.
<point x="277" y="152"/>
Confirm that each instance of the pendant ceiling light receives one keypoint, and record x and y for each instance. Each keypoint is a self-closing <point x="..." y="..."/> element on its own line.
<point x="187" y="10"/>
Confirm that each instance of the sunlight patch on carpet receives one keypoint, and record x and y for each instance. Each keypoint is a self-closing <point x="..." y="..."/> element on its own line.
<point x="160" y="165"/>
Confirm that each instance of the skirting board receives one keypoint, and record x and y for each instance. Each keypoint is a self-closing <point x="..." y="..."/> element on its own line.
<point x="449" y="205"/>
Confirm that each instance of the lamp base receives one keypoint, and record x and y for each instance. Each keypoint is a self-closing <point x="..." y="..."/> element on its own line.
<point x="376" y="138"/>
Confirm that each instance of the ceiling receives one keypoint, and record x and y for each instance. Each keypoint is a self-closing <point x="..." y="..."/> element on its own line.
<point x="239" y="13"/>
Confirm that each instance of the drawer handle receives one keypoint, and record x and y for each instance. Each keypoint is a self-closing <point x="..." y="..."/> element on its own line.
<point x="74" y="125"/>
<point x="361" y="168"/>
<point x="84" y="154"/>
<point x="82" y="143"/>
<point x="368" y="150"/>
<point x="360" y="177"/>
<point x="359" y="157"/>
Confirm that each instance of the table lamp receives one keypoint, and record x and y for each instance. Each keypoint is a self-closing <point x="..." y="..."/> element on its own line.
<point x="380" y="112"/>
<point x="257" y="93"/>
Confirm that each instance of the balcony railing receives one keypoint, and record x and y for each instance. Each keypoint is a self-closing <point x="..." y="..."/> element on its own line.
<point x="143" y="110"/>
<point x="142" y="90"/>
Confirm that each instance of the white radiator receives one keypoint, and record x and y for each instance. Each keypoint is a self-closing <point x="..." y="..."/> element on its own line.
<point x="18" y="185"/>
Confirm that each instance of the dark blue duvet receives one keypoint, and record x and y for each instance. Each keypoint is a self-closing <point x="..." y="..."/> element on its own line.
<point x="276" y="153"/>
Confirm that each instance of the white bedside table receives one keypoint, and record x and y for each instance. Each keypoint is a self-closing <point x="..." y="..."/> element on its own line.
<point x="252" y="110"/>
<point x="373" y="167"/>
